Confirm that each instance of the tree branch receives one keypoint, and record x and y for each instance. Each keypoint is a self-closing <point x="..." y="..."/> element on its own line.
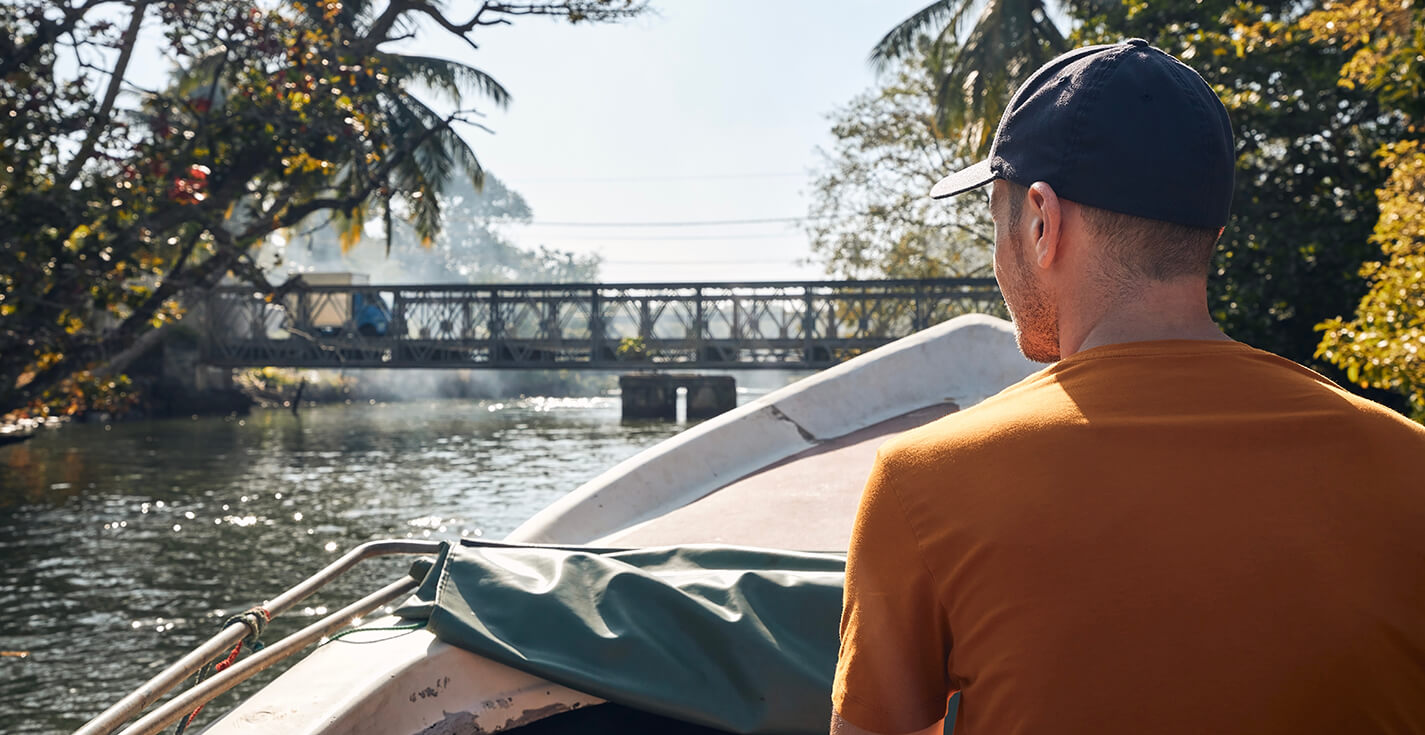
<point x="590" y="10"/>
<point x="46" y="33"/>
<point x="116" y="340"/>
<point x="380" y="27"/>
<point x="182" y="261"/>
<point x="106" y="107"/>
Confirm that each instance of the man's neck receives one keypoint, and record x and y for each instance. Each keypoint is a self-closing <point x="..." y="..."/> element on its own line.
<point x="1157" y="311"/>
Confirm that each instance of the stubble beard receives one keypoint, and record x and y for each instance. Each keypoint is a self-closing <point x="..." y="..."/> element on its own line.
<point x="1035" y="317"/>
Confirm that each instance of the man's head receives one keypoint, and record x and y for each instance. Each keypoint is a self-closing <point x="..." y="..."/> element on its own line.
<point x="1123" y="150"/>
<point x="1114" y="255"/>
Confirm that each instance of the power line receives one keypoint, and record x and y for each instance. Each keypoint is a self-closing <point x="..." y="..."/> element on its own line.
<point x="783" y="261"/>
<point x="676" y="238"/>
<point x="694" y="223"/>
<point x="689" y="177"/>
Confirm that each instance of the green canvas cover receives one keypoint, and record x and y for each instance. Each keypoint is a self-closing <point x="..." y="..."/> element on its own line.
<point x="733" y="638"/>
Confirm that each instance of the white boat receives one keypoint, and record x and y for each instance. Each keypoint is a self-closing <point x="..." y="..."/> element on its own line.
<point x="783" y="472"/>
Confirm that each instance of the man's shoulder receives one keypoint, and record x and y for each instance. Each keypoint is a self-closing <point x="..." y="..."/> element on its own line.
<point x="1032" y="407"/>
<point x="1146" y="388"/>
<point x="1348" y="404"/>
<point x="1382" y="418"/>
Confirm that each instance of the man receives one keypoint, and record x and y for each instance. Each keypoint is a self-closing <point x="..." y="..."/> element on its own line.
<point x="1164" y="531"/>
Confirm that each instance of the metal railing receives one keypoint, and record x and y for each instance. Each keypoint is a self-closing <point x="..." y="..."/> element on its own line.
<point x="782" y="324"/>
<point x="151" y="691"/>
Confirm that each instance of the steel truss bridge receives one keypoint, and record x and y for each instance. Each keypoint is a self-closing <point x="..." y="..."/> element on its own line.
<point x="604" y="326"/>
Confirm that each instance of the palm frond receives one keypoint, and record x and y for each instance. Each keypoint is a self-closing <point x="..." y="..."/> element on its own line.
<point x="421" y="172"/>
<point x="348" y="226"/>
<point x="448" y="77"/>
<point x="388" y="222"/>
<point x="459" y="153"/>
<point x="361" y="10"/>
<point x="464" y="157"/>
<point x="430" y="153"/>
<point x="1009" y="40"/>
<point x="934" y="19"/>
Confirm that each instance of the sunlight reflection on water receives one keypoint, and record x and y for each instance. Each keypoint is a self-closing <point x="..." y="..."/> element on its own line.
<point x="127" y="545"/>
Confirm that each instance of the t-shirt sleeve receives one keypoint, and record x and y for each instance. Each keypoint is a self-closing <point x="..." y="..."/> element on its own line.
<point x="892" y="672"/>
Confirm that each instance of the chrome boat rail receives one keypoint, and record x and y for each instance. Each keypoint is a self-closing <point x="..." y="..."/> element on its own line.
<point x="136" y="701"/>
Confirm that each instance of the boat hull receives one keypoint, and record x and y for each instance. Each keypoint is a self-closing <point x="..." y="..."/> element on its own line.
<point x="825" y="427"/>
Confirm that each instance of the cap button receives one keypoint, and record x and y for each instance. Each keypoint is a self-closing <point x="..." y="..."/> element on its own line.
<point x="1136" y="42"/>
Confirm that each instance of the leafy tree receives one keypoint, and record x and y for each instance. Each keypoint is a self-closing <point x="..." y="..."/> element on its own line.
<point x="870" y="215"/>
<point x="1306" y="178"/>
<point x="1306" y="175"/>
<point x="116" y="200"/>
<point x="1382" y="346"/>
<point x="975" y="73"/>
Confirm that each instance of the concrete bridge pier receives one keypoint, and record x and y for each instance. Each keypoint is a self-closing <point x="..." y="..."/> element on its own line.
<point x="655" y="395"/>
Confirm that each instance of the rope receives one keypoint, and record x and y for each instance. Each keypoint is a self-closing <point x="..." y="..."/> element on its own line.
<point x="255" y="620"/>
<point x="391" y="628"/>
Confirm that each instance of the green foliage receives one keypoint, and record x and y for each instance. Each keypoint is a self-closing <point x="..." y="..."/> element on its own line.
<point x="632" y="348"/>
<point x="1306" y="177"/>
<point x="116" y="200"/>
<point x="976" y="63"/>
<point x="870" y="215"/>
<point x="1382" y="346"/>
<point x="1387" y="45"/>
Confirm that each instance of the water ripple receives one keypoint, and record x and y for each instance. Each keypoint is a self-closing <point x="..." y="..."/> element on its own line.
<point x="127" y="547"/>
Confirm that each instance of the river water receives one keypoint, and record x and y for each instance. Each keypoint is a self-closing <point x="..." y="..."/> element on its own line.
<point x="125" y="546"/>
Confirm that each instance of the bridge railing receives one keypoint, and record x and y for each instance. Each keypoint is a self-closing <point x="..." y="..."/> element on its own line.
<point x="786" y="324"/>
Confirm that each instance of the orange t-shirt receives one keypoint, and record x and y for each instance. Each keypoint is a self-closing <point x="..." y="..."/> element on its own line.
<point x="1153" y="537"/>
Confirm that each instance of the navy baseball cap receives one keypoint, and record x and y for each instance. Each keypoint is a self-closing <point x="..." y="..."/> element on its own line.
<point x="1123" y="127"/>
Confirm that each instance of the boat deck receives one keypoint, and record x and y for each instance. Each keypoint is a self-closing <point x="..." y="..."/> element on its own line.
<point x="806" y="501"/>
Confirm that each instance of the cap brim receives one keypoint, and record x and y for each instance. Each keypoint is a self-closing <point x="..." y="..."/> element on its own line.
<point x="963" y="180"/>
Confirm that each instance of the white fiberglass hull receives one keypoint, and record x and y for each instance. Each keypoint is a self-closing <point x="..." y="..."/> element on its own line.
<point x="800" y="453"/>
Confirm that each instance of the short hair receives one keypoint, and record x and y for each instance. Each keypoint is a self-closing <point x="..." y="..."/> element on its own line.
<point x="1141" y="247"/>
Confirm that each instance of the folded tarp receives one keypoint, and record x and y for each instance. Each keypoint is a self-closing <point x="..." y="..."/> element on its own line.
<point x="733" y="638"/>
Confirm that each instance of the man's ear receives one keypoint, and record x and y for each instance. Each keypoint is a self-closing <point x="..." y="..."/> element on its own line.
<point x="1044" y="221"/>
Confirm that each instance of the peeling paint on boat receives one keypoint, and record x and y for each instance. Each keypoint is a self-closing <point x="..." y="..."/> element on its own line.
<point x="468" y="723"/>
<point x="408" y="684"/>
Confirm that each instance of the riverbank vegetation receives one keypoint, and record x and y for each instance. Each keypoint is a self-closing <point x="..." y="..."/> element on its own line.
<point x="122" y="194"/>
<point x="293" y="140"/>
<point x="1322" y="260"/>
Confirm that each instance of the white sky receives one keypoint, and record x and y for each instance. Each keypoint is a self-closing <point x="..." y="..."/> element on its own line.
<point x="700" y="111"/>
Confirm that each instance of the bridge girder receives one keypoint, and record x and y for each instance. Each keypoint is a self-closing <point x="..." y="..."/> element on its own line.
<point x="781" y="325"/>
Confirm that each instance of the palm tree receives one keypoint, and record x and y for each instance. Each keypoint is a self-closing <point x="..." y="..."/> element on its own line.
<point x="1006" y="42"/>
<point x="283" y="111"/>
<point x="430" y="152"/>
<point x="423" y="149"/>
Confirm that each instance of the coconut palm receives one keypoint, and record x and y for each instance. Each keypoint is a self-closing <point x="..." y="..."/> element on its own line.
<point x="978" y="70"/>
<point x="422" y="149"/>
<point x="283" y="111"/>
